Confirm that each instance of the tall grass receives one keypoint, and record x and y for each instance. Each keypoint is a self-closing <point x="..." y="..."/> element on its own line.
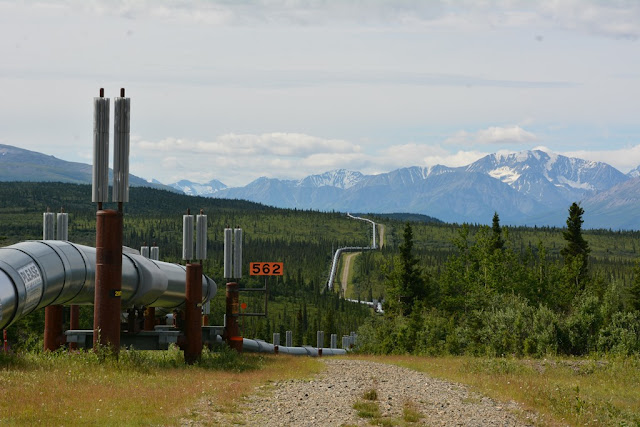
<point x="563" y="391"/>
<point x="138" y="388"/>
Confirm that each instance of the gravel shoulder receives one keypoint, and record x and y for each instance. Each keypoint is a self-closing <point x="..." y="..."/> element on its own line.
<point x="328" y="399"/>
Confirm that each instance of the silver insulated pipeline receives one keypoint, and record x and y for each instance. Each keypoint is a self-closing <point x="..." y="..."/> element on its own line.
<point x="35" y="274"/>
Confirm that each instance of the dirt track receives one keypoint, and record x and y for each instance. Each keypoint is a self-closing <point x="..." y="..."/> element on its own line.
<point x="346" y="269"/>
<point x="329" y="398"/>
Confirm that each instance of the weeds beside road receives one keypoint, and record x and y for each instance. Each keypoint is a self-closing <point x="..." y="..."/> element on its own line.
<point x="141" y="388"/>
<point x="563" y="391"/>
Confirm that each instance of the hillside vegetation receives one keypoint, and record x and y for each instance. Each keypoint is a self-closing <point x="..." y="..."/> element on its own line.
<point x="302" y="240"/>
<point x="455" y="289"/>
<point x="499" y="292"/>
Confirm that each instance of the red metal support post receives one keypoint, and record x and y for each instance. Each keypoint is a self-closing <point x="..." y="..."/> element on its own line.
<point x="193" y="314"/>
<point x="53" y="334"/>
<point x="232" y="331"/>
<point x="6" y="341"/>
<point x="150" y="319"/>
<point x="74" y="323"/>
<point x="108" y="291"/>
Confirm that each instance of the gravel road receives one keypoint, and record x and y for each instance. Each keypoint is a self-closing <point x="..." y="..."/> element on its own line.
<point x="345" y="270"/>
<point x="328" y="399"/>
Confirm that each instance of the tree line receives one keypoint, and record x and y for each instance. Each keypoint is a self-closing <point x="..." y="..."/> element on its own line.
<point x="489" y="298"/>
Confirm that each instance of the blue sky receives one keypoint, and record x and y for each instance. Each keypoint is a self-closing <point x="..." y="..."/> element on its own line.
<point x="238" y="90"/>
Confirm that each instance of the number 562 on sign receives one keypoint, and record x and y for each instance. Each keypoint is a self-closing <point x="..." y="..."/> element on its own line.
<point x="266" y="268"/>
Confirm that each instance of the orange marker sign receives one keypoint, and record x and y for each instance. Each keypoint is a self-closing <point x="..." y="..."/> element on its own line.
<point x="266" y="268"/>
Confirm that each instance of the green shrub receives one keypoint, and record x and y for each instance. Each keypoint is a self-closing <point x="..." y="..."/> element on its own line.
<point x="621" y="335"/>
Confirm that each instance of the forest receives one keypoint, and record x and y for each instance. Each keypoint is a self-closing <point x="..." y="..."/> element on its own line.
<point x="497" y="292"/>
<point x="447" y="288"/>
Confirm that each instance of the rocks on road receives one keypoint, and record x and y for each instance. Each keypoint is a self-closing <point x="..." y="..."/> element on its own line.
<point x="328" y="399"/>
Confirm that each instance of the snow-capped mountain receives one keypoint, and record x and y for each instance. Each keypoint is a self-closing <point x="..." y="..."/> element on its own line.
<point x="634" y="173"/>
<point x="530" y="187"/>
<point x="339" y="178"/>
<point x="549" y="178"/>
<point x="194" y="189"/>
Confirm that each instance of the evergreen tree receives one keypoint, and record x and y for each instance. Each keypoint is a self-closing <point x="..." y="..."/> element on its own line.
<point x="405" y="283"/>
<point x="576" y="252"/>
<point x="634" y="291"/>
<point x="498" y="241"/>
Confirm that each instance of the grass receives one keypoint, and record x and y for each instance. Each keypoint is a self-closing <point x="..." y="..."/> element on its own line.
<point x="562" y="391"/>
<point x="141" y="388"/>
<point x="369" y="408"/>
<point x="410" y="414"/>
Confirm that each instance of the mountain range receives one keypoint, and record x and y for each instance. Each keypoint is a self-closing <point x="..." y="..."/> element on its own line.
<point x="526" y="188"/>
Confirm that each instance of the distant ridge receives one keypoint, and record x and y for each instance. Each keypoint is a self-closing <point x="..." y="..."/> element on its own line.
<point x="527" y="188"/>
<point x="18" y="164"/>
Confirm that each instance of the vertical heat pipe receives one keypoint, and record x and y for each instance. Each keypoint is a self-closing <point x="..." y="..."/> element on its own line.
<point x="121" y="130"/>
<point x="100" y="171"/>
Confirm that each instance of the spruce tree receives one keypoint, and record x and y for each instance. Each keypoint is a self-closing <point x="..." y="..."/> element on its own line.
<point x="405" y="284"/>
<point x="576" y="252"/>
<point x="498" y="242"/>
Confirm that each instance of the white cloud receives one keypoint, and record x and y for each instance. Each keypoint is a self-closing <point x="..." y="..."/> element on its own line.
<point x="623" y="159"/>
<point x="493" y="135"/>
<point x="609" y="18"/>
<point x="237" y="159"/>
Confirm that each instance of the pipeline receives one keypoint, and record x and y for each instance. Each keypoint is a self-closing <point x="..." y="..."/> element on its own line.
<point x="373" y="243"/>
<point x="336" y="258"/>
<point x="336" y="255"/>
<point x="259" y="346"/>
<point x="35" y="274"/>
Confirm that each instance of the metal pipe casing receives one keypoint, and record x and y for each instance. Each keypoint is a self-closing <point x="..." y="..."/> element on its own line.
<point x="320" y="339"/>
<point x="228" y="253"/>
<point x="334" y="341"/>
<point x="8" y="299"/>
<point x="144" y="251"/>
<point x="100" y="171"/>
<point x="237" y="253"/>
<point x="201" y="237"/>
<point x="259" y="346"/>
<point x="187" y="237"/>
<point x="35" y="274"/>
<point x="346" y="339"/>
<point x="48" y="228"/>
<point x="155" y="253"/>
<point x="121" y="121"/>
<point x="62" y="229"/>
<point x="289" y="338"/>
<point x="276" y="338"/>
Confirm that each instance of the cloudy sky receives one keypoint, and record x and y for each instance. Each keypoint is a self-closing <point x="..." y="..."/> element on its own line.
<point x="235" y="90"/>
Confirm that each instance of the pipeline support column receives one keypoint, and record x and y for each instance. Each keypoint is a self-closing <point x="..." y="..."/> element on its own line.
<point x="74" y="323"/>
<point x="53" y="334"/>
<point x="232" y="330"/>
<point x="108" y="291"/>
<point x="193" y="313"/>
<point x="149" y="318"/>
